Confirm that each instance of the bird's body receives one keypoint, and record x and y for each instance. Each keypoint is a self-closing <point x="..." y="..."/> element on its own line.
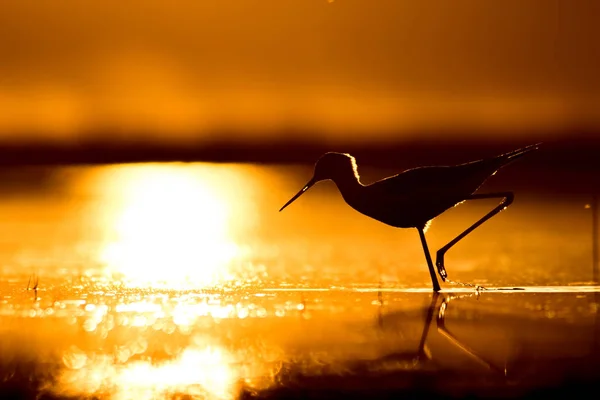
<point x="414" y="197"/>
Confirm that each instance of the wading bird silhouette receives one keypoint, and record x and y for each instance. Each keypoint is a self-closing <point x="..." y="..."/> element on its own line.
<point x="416" y="196"/>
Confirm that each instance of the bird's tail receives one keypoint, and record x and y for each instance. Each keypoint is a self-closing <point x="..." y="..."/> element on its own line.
<point x="513" y="155"/>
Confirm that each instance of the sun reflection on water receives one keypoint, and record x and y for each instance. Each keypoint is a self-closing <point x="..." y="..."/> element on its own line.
<point x="196" y="372"/>
<point x="170" y="226"/>
<point x="190" y="357"/>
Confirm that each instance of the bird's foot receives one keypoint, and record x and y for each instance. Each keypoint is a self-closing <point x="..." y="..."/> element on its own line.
<point x="439" y="262"/>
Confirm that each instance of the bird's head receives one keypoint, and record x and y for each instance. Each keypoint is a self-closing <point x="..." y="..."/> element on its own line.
<point x="334" y="166"/>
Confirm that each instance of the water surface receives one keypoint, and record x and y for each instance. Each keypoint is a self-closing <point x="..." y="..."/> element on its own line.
<point x="173" y="280"/>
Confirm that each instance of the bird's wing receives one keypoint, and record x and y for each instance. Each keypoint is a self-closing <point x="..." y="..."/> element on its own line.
<point x="421" y="181"/>
<point x="428" y="191"/>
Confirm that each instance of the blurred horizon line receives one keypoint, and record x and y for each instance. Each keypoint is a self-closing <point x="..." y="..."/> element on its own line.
<point x="565" y="163"/>
<point x="288" y="146"/>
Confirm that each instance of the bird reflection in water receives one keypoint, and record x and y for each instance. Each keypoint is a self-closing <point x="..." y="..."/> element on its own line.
<point x="438" y="307"/>
<point x="444" y="331"/>
<point x="414" y="358"/>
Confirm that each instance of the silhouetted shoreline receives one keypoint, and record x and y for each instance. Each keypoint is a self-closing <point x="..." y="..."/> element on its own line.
<point x="565" y="163"/>
<point x="576" y="149"/>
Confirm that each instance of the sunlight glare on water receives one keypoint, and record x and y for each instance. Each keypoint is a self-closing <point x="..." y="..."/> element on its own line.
<point x="196" y="372"/>
<point x="168" y="225"/>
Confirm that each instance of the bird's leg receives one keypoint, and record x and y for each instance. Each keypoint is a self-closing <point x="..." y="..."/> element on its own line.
<point x="434" y="281"/>
<point x="507" y="197"/>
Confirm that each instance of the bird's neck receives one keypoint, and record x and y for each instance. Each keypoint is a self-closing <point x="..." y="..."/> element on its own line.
<point x="348" y="185"/>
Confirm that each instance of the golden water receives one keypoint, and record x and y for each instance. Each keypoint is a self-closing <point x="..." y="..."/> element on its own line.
<point x="165" y="280"/>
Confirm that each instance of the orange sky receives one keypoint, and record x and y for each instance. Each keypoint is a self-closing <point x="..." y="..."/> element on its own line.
<point x="190" y="67"/>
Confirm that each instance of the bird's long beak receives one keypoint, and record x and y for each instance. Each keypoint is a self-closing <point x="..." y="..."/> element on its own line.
<point x="304" y="189"/>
